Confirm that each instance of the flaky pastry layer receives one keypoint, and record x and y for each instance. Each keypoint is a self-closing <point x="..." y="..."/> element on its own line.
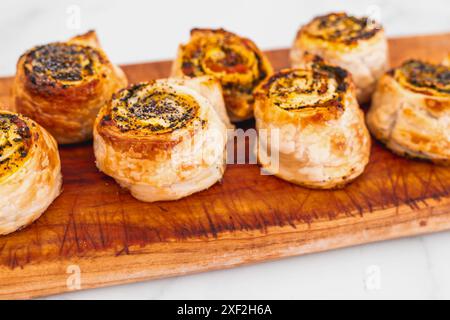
<point x="163" y="140"/>
<point x="410" y="111"/>
<point x="30" y="171"/>
<point x="358" y="45"/>
<point x="62" y="86"/>
<point x="321" y="141"/>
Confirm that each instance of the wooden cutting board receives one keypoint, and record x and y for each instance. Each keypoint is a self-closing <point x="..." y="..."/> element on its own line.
<point x="97" y="228"/>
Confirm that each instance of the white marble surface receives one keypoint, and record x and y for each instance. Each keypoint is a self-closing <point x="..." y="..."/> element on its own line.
<point x="138" y="30"/>
<point x="133" y="31"/>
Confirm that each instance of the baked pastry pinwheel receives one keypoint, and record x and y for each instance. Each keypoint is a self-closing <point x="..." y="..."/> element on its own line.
<point x="358" y="45"/>
<point x="236" y="62"/>
<point x="410" y="111"/>
<point x="30" y="171"/>
<point x="162" y="140"/>
<point x="320" y="139"/>
<point x="63" y="85"/>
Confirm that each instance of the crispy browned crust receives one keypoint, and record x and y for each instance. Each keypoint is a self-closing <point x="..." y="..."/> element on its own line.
<point x="410" y="109"/>
<point x="249" y="64"/>
<point x="324" y="143"/>
<point x="355" y="44"/>
<point x="341" y="29"/>
<point x="63" y="85"/>
<point x="424" y="78"/>
<point x="321" y="111"/>
<point x="30" y="176"/>
<point x="149" y="142"/>
<point x="89" y="38"/>
<point x="151" y="138"/>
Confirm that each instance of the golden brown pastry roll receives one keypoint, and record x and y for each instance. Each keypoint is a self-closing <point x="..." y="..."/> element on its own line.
<point x="410" y="111"/>
<point x="322" y="138"/>
<point x="162" y="140"/>
<point x="356" y="44"/>
<point x="30" y="171"/>
<point x="237" y="62"/>
<point x="63" y="85"/>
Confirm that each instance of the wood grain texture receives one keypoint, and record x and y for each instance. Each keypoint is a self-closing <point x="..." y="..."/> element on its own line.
<point x="247" y="218"/>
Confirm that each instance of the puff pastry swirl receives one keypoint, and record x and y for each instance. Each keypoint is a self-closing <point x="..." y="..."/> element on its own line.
<point x="356" y="44"/>
<point x="323" y="141"/>
<point x="163" y="140"/>
<point x="410" y="111"/>
<point x="30" y="171"/>
<point x="63" y="85"/>
<point x="237" y="62"/>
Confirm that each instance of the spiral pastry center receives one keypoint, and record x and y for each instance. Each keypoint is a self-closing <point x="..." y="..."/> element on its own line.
<point x="226" y="57"/>
<point x="302" y="89"/>
<point x="340" y="27"/>
<point x="223" y="61"/>
<point x="422" y="77"/>
<point x="15" y="143"/>
<point x="149" y="110"/>
<point x="67" y="64"/>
